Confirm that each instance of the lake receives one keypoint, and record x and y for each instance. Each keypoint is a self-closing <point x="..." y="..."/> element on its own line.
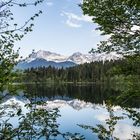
<point x="78" y="104"/>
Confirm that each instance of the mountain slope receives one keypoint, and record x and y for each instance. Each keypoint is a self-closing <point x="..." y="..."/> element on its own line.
<point x="80" y="58"/>
<point x="44" y="63"/>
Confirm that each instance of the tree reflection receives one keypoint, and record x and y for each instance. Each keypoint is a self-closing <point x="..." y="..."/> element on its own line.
<point x="41" y="123"/>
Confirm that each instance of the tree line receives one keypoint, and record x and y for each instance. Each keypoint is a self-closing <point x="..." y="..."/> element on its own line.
<point x="88" y="72"/>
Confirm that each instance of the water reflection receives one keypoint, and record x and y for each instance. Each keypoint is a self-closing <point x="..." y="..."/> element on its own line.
<point x="89" y="93"/>
<point x="77" y="104"/>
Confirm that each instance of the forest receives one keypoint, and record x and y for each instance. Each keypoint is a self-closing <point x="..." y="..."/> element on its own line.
<point x="97" y="72"/>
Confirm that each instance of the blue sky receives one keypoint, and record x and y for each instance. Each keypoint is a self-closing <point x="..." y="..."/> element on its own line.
<point x="62" y="28"/>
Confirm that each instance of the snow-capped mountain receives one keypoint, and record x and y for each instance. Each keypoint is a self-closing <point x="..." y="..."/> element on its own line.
<point x="77" y="57"/>
<point x="46" y="58"/>
<point x="106" y="56"/>
<point x="80" y="58"/>
<point x="46" y="55"/>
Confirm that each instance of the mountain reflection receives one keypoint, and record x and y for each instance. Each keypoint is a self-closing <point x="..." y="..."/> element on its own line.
<point x="56" y="111"/>
<point x="74" y="112"/>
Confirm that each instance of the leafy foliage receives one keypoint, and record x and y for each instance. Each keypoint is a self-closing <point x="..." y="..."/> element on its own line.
<point x="38" y="123"/>
<point x="10" y="33"/>
<point x="120" y="19"/>
<point x="134" y="115"/>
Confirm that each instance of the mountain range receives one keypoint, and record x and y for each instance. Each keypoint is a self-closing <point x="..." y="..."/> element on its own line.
<point x="46" y="58"/>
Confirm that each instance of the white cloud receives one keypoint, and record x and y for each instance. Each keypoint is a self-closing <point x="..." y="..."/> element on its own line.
<point x="73" y="24"/>
<point x="86" y="18"/>
<point x="124" y="129"/>
<point x="74" y="20"/>
<point x="49" y="4"/>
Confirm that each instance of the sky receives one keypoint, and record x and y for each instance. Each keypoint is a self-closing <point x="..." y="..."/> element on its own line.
<point x="62" y="28"/>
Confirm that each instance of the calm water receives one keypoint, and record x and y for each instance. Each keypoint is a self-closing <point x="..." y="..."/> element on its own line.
<point x="78" y="104"/>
